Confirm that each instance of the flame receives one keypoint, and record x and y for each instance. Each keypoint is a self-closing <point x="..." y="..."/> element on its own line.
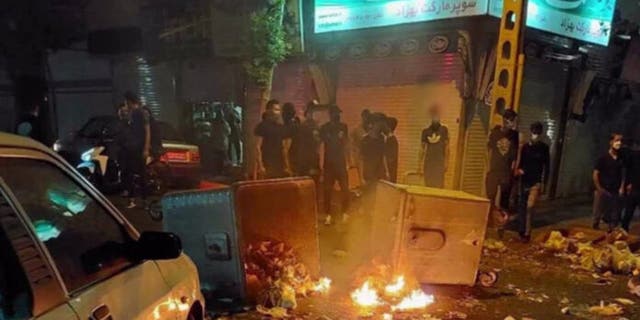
<point x="387" y="316"/>
<point x="416" y="300"/>
<point x="365" y="296"/>
<point x="323" y="285"/>
<point x="395" y="288"/>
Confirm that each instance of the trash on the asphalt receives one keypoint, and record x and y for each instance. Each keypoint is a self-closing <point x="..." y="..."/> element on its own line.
<point x="611" y="309"/>
<point x="625" y="301"/>
<point x="456" y="315"/>
<point x="275" y="312"/>
<point x="566" y="311"/>
<point x="494" y="245"/>
<point x="556" y="242"/>
<point x="634" y="286"/>
<point x="274" y="272"/>
<point x="612" y="255"/>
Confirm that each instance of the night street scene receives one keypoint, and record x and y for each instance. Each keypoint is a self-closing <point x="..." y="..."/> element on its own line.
<point x="319" y="159"/>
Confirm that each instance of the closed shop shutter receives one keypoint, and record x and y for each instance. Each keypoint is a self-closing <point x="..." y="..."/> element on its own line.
<point x="474" y="158"/>
<point x="404" y="88"/>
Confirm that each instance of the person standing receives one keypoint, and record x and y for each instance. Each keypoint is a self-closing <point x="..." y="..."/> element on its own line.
<point x="608" y="178"/>
<point x="533" y="171"/>
<point x="632" y="188"/>
<point x="137" y="149"/>
<point x="372" y="152"/>
<point x="391" y="150"/>
<point x="270" y="147"/>
<point x="356" y="137"/>
<point x="291" y="125"/>
<point x="434" y="155"/>
<point x="335" y="138"/>
<point x="220" y="132"/>
<point x="502" y="152"/>
<point x="307" y="152"/>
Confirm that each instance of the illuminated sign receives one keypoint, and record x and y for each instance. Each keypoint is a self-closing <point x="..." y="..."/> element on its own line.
<point x="587" y="20"/>
<point x="335" y="15"/>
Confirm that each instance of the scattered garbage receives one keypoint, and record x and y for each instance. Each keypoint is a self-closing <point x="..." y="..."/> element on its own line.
<point x="494" y="245"/>
<point x="277" y="277"/>
<point x="612" y="255"/>
<point x="611" y="309"/>
<point x="625" y="301"/>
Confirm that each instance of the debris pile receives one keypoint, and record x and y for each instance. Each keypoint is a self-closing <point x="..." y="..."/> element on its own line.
<point x="610" y="255"/>
<point x="277" y="278"/>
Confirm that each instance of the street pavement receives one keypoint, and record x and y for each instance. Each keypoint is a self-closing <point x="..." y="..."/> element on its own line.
<point x="533" y="284"/>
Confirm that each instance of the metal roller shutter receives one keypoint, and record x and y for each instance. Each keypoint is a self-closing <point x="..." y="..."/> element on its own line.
<point x="404" y="87"/>
<point x="474" y="158"/>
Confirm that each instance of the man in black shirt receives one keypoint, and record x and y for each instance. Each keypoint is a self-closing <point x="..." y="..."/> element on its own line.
<point x="307" y="146"/>
<point x="502" y="152"/>
<point x="608" y="178"/>
<point x="434" y="154"/>
<point x="270" y="145"/>
<point x="632" y="163"/>
<point x="372" y="151"/>
<point x="335" y="136"/>
<point x="391" y="151"/>
<point x="137" y="149"/>
<point x="533" y="171"/>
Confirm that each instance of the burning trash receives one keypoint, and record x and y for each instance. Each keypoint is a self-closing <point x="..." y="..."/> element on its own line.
<point x="277" y="278"/>
<point x="395" y="288"/>
<point x="366" y="297"/>
<point x="417" y="300"/>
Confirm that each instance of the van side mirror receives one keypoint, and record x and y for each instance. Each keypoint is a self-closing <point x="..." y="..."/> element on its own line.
<point x="154" y="245"/>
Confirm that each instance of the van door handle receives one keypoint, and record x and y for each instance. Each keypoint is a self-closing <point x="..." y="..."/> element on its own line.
<point x="101" y="313"/>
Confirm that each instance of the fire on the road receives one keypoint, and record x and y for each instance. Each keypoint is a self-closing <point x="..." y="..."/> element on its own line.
<point x="366" y="298"/>
<point x="323" y="285"/>
<point x="417" y="300"/>
<point x="395" y="288"/>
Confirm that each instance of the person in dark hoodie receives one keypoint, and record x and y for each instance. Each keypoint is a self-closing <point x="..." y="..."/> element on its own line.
<point x="391" y="150"/>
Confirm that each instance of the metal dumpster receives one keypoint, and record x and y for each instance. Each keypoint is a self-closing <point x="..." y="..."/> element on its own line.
<point x="433" y="234"/>
<point x="217" y="225"/>
<point x="208" y="226"/>
<point x="283" y="210"/>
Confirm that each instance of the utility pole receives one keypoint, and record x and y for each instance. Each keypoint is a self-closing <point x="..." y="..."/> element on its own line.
<point x="507" y="81"/>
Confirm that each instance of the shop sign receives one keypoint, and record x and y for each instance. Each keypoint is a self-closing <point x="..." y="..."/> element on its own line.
<point x="587" y="20"/>
<point x="338" y="15"/>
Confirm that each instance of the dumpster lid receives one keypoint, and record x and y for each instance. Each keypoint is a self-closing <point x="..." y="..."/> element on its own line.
<point x="442" y="193"/>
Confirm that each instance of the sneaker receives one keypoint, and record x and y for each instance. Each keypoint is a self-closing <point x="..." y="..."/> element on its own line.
<point x="327" y="220"/>
<point x="132" y="205"/>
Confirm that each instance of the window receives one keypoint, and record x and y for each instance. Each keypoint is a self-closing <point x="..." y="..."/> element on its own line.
<point x="15" y="294"/>
<point x="86" y="243"/>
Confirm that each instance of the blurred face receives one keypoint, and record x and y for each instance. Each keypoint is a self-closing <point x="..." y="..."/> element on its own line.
<point x="510" y="123"/>
<point x="616" y="142"/>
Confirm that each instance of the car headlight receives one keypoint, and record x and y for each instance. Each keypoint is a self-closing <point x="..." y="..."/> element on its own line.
<point x="57" y="146"/>
<point x="91" y="154"/>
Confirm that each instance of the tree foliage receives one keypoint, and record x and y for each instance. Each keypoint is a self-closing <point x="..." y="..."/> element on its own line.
<point x="266" y="42"/>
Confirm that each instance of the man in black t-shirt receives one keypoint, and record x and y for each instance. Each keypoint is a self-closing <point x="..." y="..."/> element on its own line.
<point x="608" y="178"/>
<point x="335" y="136"/>
<point x="372" y="150"/>
<point x="391" y="150"/>
<point x="434" y="154"/>
<point x="502" y="152"/>
<point x="533" y="171"/>
<point x="307" y="146"/>
<point x="270" y="146"/>
<point x="137" y="148"/>
<point x="632" y="189"/>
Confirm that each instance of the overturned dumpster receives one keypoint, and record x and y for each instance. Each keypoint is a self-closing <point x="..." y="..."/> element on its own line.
<point x="434" y="234"/>
<point x="221" y="227"/>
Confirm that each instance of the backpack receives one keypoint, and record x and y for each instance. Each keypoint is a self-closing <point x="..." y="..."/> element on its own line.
<point x="156" y="137"/>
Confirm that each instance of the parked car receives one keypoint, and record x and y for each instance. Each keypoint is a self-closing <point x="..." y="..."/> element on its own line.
<point x="95" y="151"/>
<point x="67" y="253"/>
